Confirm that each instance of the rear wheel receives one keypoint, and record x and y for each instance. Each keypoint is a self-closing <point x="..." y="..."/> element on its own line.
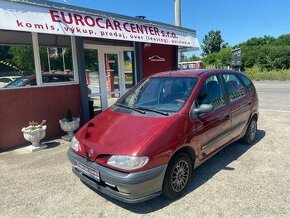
<point x="178" y="176"/>
<point x="251" y="132"/>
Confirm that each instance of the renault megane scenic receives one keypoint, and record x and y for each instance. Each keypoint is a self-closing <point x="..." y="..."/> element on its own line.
<point x="149" y="142"/>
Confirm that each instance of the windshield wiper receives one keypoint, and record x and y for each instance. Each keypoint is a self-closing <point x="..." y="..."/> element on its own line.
<point x="132" y="108"/>
<point x="153" y="110"/>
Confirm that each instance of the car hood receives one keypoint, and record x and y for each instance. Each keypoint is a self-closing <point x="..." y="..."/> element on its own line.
<point x="118" y="133"/>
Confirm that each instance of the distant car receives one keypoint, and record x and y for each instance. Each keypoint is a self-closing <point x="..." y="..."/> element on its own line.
<point x="46" y="78"/>
<point x="7" y="79"/>
<point x="152" y="138"/>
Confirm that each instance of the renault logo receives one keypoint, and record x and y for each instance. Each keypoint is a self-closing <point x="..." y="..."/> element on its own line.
<point x="90" y="152"/>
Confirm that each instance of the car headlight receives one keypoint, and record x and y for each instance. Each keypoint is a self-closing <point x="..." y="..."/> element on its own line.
<point x="74" y="144"/>
<point x="127" y="162"/>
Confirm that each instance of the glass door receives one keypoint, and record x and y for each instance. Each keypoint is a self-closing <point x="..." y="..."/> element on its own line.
<point x="110" y="72"/>
<point x="129" y="69"/>
<point x="93" y="81"/>
<point x="113" y="79"/>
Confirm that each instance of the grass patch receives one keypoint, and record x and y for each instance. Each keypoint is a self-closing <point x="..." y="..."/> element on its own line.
<point x="255" y="73"/>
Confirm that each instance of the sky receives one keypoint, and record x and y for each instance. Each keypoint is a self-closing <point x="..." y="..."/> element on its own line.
<point x="238" y="20"/>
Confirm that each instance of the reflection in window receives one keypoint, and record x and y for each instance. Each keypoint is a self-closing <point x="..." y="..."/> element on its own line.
<point x="129" y="69"/>
<point x="112" y="74"/>
<point x="16" y="66"/>
<point x="93" y="81"/>
<point x="56" y="64"/>
<point x="92" y="70"/>
<point x="55" y="58"/>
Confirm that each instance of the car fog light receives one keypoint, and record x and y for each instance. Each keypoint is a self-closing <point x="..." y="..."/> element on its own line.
<point x="123" y="190"/>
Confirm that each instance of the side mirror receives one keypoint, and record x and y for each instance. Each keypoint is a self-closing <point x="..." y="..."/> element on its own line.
<point x="202" y="109"/>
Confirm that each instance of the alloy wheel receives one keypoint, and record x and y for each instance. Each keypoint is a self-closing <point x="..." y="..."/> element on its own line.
<point x="252" y="130"/>
<point x="180" y="175"/>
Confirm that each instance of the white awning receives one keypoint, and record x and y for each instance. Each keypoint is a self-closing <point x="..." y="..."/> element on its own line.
<point x="16" y="15"/>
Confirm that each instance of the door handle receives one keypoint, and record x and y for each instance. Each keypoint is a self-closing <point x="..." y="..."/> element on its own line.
<point x="226" y="115"/>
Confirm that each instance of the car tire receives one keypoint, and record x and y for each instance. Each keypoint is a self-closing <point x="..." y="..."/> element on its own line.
<point x="251" y="132"/>
<point x="177" y="176"/>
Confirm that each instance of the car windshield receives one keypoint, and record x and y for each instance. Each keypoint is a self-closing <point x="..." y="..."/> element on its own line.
<point x="162" y="94"/>
<point x="17" y="82"/>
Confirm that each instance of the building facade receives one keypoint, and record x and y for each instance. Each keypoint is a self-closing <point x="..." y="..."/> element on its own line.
<point x="55" y="57"/>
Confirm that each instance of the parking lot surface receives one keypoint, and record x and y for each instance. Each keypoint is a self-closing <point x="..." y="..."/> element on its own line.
<point x="239" y="181"/>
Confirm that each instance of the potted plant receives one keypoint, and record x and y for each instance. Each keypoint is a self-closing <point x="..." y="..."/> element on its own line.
<point x="34" y="133"/>
<point x="69" y="125"/>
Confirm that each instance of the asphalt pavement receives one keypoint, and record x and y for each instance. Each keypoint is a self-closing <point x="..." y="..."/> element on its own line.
<point x="274" y="95"/>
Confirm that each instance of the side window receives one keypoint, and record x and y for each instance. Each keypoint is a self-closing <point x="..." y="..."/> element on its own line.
<point x="234" y="87"/>
<point x="249" y="85"/>
<point x="211" y="93"/>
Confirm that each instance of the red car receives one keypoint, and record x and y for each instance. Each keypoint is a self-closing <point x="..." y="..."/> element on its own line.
<point x="149" y="142"/>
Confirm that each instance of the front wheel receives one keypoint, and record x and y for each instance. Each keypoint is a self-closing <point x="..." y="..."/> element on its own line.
<point x="251" y="132"/>
<point x="178" y="176"/>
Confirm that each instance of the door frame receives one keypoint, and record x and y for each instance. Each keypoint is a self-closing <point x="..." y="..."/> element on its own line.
<point x="119" y="50"/>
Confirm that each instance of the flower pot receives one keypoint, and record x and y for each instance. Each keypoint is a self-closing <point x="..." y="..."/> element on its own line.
<point x="34" y="134"/>
<point x="69" y="127"/>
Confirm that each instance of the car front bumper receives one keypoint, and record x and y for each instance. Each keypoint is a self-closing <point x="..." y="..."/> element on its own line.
<point x="126" y="187"/>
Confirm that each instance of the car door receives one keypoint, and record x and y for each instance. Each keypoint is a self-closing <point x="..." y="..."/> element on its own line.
<point x="240" y="103"/>
<point x="211" y="130"/>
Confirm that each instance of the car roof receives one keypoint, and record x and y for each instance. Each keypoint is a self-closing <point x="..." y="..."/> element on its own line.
<point x="193" y="73"/>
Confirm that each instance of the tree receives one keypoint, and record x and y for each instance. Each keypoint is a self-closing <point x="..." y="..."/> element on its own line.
<point x="185" y="58"/>
<point x="221" y="59"/>
<point x="213" y="42"/>
<point x="258" y="41"/>
<point x="283" y="40"/>
<point x="22" y="58"/>
<point x="263" y="53"/>
<point x="5" y="57"/>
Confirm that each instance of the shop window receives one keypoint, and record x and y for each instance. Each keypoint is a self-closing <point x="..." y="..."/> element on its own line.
<point x="55" y="58"/>
<point x="16" y="60"/>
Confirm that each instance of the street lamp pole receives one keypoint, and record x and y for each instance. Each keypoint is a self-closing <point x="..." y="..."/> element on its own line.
<point x="178" y="20"/>
<point x="177" y="13"/>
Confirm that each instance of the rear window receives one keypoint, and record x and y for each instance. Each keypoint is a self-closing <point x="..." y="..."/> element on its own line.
<point x="234" y="86"/>
<point x="249" y="85"/>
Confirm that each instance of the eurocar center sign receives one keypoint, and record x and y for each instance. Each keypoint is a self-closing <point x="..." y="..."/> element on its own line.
<point x="31" y="18"/>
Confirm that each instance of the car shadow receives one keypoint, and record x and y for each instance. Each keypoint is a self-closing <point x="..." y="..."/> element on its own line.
<point x="201" y="175"/>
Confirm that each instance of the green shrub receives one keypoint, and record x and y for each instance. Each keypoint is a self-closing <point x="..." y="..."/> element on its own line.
<point x="255" y="73"/>
<point x="69" y="116"/>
